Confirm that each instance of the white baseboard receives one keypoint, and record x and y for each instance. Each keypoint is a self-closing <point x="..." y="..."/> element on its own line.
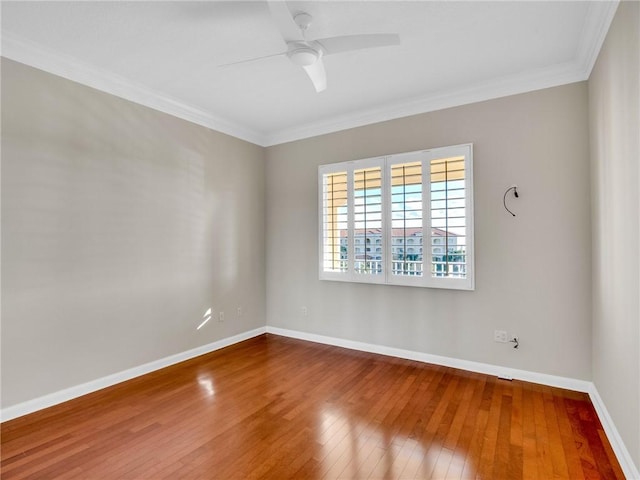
<point x="55" y="398"/>
<point x="631" y="471"/>
<point x="628" y="467"/>
<point x="496" y="370"/>
<point x="619" y="448"/>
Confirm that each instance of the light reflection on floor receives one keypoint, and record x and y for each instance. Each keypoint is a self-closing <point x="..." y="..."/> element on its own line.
<point x="206" y="384"/>
<point x="351" y="449"/>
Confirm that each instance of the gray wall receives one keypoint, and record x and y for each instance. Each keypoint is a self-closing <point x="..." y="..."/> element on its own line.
<point x="533" y="272"/>
<point x="120" y="227"/>
<point x="614" y="99"/>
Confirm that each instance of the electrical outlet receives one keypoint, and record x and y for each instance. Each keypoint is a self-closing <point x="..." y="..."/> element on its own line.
<point x="305" y="312"/>
<point x="239" y="311"/>
<point x="500" y="336"/>
<point x="221" y="317"/>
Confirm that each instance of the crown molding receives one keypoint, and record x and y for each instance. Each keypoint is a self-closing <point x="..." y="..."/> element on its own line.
<point x="596" y="26"/>
<point x="599" y="17"/>
<point x="502" y="87"/>
<point x="65" y="66"/>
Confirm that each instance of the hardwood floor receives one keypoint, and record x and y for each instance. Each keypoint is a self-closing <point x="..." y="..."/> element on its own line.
<point x="273" y="407"/>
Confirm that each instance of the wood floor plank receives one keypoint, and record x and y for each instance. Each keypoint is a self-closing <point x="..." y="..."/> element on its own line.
<point x="529" y="439"/>
<point x="278" y="408"/>
<point x="544" y="462"/>
<point x="574" y="466"/>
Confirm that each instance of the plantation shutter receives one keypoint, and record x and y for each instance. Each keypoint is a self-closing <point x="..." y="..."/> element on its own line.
<point x="368" y="231"/>
<point x="334" y="222"/>
<point x="451" y="226"/>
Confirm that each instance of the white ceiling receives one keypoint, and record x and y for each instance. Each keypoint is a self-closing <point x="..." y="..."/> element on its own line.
<point x="167" y="55"/>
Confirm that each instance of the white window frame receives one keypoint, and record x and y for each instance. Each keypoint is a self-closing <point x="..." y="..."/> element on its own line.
<point x="387" y="277"/>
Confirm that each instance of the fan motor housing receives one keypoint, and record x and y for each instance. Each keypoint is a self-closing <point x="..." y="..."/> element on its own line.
<point x="303" y="55"/>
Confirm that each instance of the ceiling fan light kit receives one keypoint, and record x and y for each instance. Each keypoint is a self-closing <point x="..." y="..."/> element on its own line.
<point x="308" y="54"/>
<point x="303" y="55"/>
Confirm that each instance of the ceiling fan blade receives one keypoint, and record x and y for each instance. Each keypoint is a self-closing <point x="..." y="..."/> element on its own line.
<point x="318" y="75"/>
<point x="248" y="60"/>
<point x="284" y="21"/>
<point x="348" y="43"/>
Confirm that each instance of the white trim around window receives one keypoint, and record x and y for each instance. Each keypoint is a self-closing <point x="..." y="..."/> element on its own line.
<point x="403" y="219"/>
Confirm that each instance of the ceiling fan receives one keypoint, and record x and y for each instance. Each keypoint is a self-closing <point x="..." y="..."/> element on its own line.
<point x="308" y="54"/>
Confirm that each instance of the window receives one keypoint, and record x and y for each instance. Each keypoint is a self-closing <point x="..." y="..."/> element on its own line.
<point x="412" y="199"/>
